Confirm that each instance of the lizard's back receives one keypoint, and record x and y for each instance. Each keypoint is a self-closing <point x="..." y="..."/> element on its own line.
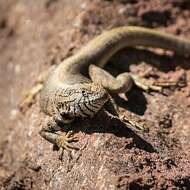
<point x="74" y="70"/>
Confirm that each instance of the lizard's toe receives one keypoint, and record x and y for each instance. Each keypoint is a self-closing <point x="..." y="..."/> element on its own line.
<point x="63" y="141"/>
<point x="70" y="138"/>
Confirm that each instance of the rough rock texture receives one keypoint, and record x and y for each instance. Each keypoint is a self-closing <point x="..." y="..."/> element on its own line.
<point x="36" y="34"/>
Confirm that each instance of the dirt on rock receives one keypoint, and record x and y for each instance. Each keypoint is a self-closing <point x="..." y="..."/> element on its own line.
<point x="37" y="34"/>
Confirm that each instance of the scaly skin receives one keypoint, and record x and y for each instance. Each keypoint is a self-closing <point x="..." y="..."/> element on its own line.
<point x="69" y="93"/>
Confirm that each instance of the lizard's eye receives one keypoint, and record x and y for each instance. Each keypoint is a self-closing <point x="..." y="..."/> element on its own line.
<point x="84" y="93"/>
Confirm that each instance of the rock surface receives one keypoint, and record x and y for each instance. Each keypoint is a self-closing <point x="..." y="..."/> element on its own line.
<point x="37" y="34"/>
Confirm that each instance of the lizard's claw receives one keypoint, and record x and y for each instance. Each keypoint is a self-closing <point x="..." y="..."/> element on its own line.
<point x="63" y="141"/>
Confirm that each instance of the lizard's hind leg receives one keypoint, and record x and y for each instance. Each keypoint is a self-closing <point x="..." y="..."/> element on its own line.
<point x="121" y="84"/>
<point x="30" y="95"/>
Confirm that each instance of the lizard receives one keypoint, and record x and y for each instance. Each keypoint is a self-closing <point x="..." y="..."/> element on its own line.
<point x="79" y="88"/>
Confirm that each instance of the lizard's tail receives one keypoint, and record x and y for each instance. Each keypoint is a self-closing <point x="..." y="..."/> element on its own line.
<point x="100" y="49"/>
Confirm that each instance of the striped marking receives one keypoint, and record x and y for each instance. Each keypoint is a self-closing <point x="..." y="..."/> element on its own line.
<point x="92" y="111"/>
<point x="81" y="105"/>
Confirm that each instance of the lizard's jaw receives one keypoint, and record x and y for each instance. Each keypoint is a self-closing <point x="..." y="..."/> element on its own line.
<point x="89" y="106"/>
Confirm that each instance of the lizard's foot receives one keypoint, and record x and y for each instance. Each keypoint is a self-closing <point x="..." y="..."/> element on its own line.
<point x="154" y="85"/>
<point x="133" y="123"/>
<point x="165" y="84"/>
<point x="51" y="131"/>
<point x="146" y="84"/>
<point x="63" y="141"/>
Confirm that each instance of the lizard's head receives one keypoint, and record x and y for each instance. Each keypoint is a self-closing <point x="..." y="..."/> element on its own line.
<point x="82" y="100"/>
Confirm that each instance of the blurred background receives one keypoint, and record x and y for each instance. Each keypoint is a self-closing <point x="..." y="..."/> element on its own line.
<point x="37" y="34"/>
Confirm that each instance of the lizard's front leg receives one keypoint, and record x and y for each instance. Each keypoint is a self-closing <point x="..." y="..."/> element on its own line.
<point x="52" y="133"/>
